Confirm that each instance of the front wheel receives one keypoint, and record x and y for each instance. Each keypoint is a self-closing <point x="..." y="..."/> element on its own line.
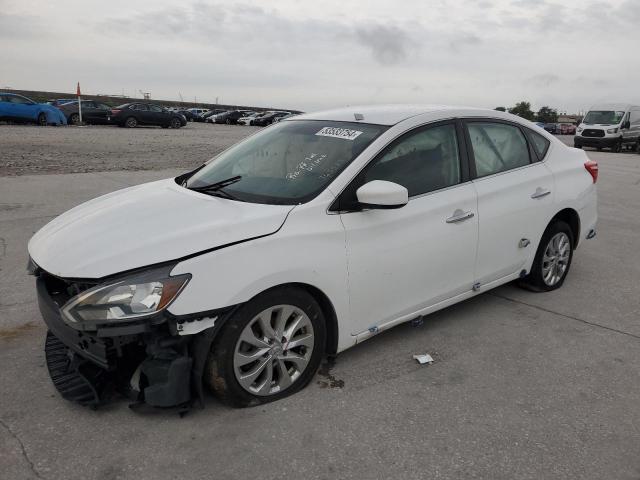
<point x="42" y="120"/>
<point x="553" y="258"/>
<point x="176" y="123"/>
<point x="269" y="349"/>
<point x="617" y="147"/>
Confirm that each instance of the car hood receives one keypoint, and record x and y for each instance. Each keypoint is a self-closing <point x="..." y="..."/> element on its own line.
<point x="144" y="225"/>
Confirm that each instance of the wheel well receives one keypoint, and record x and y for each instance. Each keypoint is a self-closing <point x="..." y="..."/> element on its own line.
<point x="571" y="218"/>
<point x="327" y="309"/>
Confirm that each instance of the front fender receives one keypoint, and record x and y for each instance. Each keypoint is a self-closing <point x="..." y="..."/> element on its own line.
<point x="308" y="249"/>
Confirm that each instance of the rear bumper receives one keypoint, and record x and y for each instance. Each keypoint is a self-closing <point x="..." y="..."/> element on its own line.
<point x="597" y="142"/>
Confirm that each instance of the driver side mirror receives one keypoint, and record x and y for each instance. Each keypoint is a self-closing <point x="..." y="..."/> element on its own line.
<point x="380" y="194"/>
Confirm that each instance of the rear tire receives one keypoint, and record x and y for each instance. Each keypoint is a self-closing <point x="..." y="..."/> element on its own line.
<point x="270" y="344"/>
<point x="131" y="122"/>
<point x="42" y="119"/>
<point x="617" y="147"/>
<point x="553" y="258"/>
<point x="74" y="119"/>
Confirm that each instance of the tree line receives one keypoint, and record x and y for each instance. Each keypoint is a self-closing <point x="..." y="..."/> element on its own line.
<point x="546" y="114"/>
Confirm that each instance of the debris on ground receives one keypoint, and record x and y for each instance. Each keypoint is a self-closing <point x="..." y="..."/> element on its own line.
<point x="423" y="358"/>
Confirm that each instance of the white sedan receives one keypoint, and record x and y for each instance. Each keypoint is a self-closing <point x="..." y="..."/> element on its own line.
<point x="247" y="120"/>
<point x="302" y="240"/>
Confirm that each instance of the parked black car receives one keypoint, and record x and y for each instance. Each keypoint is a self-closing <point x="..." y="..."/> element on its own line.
<point x="206" y="117"/>
<point x="189" y="116"/>
<point x="231" y="117"/>
<point x="133" y="114"/>
<point x="56" y="102"/>
<point x="92" y="112"/>
<point x="268" y="118"/>
<point x="551" y="127"/>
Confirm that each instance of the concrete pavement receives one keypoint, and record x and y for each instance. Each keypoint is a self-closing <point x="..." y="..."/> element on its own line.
<point x="524" y="386"/>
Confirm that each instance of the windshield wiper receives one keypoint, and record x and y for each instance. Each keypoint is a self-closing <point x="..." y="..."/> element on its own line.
<point x="216" y="188"/>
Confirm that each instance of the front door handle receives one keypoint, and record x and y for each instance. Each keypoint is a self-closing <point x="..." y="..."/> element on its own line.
<point x="459" y="216"/>
<point x="540" y="192"/>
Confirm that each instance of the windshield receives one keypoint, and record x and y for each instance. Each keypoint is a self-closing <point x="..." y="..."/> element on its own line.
<point x="603" y="117"/>
<point x="289" y="162"/>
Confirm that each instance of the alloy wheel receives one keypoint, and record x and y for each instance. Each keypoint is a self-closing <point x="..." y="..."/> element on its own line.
<point x="273" y="350"/>
<point x="556" y="259"/>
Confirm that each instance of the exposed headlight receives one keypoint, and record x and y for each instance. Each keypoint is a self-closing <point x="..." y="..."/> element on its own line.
<point x="124" y="300"/>
<point x="612" y="130"/>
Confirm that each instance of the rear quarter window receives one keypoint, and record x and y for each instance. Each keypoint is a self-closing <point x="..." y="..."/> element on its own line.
<point x="539" y="143"/>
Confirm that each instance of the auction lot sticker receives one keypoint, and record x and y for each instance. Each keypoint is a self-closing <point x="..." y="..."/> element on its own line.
<point x="344" y="133"/>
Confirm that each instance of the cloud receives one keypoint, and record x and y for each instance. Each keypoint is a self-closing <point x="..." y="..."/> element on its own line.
<point x="387" y="44"/>
<point x="543" y="80"/>
<point x="21" y="26"/>
<point x="290" y="54"/>
<point x="464" y="40"/>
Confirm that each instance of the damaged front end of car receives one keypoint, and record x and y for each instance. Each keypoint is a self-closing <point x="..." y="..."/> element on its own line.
<point x="115" y="336"/>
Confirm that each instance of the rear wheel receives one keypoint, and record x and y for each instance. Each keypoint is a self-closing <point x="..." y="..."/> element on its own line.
<point x="269" y="349"/>
<point x="228" y="121"/>
<point x="42" y="119"/>
<point x="553" y="258"/>
<point x="74" y="119"/>
<point x="131" y="122"/>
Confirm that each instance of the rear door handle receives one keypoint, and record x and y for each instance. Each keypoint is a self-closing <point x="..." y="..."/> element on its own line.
<point x="459" y="216"/>
<point x="540" y="192"/>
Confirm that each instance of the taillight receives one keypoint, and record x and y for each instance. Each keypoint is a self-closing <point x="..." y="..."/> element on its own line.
<point x="115" y="112"/>
<point x="592" y="168"/>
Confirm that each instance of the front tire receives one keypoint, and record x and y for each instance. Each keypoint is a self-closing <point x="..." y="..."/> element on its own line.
<point x="553" y="258"/>
<point x="269" y="349"/>
<point x="176" y="123"/>
<point x="617" y="147"/>
<point x="42" y="120"/>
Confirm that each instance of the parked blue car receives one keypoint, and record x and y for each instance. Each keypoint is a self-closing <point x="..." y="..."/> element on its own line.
<point x="17" y="108"/>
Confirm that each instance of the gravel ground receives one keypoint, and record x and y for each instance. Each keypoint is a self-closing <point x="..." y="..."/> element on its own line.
<point x="28" y="149"/>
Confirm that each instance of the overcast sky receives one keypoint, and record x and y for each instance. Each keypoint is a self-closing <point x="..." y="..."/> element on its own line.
<point x="318" y="54"/>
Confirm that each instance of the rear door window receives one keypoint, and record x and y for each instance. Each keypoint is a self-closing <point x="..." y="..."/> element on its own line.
<point x="497" y="147"/>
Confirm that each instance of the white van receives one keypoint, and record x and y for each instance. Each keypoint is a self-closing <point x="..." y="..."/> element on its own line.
<point x="612" y="125"/>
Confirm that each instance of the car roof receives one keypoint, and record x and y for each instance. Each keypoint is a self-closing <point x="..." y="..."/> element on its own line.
<point x="393" y="114"/>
